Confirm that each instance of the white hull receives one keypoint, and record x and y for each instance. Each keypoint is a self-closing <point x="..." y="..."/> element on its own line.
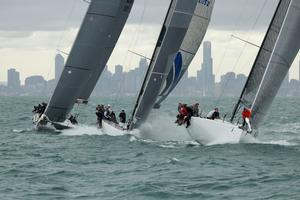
<point x="42" y="123"/>
<point x="113" y="129"/>
<point x="208" y="132"/>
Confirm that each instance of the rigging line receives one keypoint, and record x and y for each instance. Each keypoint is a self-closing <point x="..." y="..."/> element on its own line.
<point x="63" y="52"/>
<point x="243" y="49"/>
<point x="61" y="35"/>
<point x="233" y="36"/>
<point x="140" y="55"/>
<point x="135" y="38"/>
<point x="230" y="39"/>
<point x="67" y="21"/>
<point x="136" y="35"/>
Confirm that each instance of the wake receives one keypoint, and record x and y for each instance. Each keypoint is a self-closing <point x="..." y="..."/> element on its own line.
<point x="160" y="128"/>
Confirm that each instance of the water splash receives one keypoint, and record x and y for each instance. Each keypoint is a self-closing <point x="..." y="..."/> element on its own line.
<point x="161" y="127"/>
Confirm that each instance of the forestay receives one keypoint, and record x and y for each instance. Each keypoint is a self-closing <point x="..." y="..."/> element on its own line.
<point x="189" y="47"/>
<point x="260" y="64"/>
<point x="285" y="51"/>
<point x="174" y="29"/>
<point x="92" y="48"/>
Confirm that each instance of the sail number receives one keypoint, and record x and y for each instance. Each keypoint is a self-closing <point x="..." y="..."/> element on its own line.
<point x="204" y="2"/>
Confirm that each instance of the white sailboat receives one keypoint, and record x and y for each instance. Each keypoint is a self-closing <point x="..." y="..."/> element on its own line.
<point x="96" y="39"/>
<point x="276" y="55"/>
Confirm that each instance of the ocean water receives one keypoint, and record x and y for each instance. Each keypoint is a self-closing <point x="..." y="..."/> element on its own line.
<point x="160" y="162"/>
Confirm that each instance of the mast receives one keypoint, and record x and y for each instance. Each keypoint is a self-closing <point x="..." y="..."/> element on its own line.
<point x="260" y="64"/>
<point x="95" y="41"/>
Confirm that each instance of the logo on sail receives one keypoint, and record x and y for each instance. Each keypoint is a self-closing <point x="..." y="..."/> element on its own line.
<point x="204" y="2"/>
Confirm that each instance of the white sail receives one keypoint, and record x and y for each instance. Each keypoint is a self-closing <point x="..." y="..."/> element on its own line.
<point x="175" y="27"/>
<point x="189" y="47"/>
<point x="285" y="51"/>
<point x="92" y="48"/>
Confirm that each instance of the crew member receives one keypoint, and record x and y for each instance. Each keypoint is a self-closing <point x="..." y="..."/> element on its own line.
<point x="113" y="117"/>
<point x="214" y="114"/>
<point x="246" y="114"/>
<point x="182" y="114"/>
<point x="100" y="115"/>
<point x="122" y="117"/>
<point x="107" y="113"/>
<point x="73" y="119"/>
<point x="187" y="118"/>
<point x="195" y="108"/>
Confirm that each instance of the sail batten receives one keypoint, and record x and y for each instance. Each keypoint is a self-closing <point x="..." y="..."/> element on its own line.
<point x="95" y="41"/>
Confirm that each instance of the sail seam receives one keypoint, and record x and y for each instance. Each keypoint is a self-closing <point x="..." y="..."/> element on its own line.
<point x="185" y="13"/>
<point x="187" y="52"/>
<point x="164" y="74"/>
<point x="58" y="108"/>
<point x="99" y="14"/>
<point x="80" y="68"/>
<point x="202" y="17"/>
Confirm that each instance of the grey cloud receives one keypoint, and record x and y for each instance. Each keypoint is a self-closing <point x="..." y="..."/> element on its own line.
<point x="33" y="15"/>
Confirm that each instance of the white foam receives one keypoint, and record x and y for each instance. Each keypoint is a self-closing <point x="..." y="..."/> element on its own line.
<point x="279" y="142"/>
<point x="83" y="130"/>
<point x="161" y="127"/>
<point x="22" y="131"/>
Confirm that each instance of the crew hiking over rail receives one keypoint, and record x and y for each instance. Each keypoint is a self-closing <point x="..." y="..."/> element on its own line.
<point x="105" y="112"/>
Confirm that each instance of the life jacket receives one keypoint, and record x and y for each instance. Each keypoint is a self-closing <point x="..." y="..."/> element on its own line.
<point x="183" y="111"/>
<point x="246" y="113"/>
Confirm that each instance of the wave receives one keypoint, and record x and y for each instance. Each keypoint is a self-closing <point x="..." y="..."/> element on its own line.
<point x="22" y="130"/>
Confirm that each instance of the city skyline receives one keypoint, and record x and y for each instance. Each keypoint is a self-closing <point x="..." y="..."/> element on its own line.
<point x="29" y="40"/>
<point x="128" y="83"/>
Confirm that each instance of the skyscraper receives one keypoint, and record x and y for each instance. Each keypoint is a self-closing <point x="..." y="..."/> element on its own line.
<point x="118" y="70"/>
<point x="208" y="79"/>
<point x="59" y="65"/>
<point x="13" y="80"/>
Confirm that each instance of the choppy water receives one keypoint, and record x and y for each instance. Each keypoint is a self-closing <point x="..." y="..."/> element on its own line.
<point x="86" y="164"/>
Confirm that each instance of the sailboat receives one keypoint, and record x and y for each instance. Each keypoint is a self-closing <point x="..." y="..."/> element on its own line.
<point x="96" y="39"/>
<point x="175" y="26"/>
<point x="277" y="53"/>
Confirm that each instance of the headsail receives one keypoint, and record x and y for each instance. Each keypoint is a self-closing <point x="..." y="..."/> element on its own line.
<point x="93" y="46"/>
<point x="173" y="32"/>
<point x="263" y="57"/>
<point x="285" y="51"/>
<point x="189" y="47"/>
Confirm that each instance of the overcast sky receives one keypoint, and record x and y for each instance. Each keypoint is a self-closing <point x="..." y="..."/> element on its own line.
<point x="32" y="30"/>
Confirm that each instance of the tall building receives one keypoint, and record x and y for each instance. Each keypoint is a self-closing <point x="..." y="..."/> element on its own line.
<point x="13" y="80"/>
<point x="205" y="77"/>
<point x="59" y="65"/>
<point x="118" y="70"/>
<point x="143" y="64"/>
<point x="286" y="80"/>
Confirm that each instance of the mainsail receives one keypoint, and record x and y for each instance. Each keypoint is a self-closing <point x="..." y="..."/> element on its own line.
<point x="97" y="37"/>
<point x="260" y="64"/>
<point x="285" y="51"/>
<point x="189" y="47"/>
<point x="174" y="29"/>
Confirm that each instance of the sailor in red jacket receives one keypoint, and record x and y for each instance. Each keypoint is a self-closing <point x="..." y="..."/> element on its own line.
<point x="246" y="114"/>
